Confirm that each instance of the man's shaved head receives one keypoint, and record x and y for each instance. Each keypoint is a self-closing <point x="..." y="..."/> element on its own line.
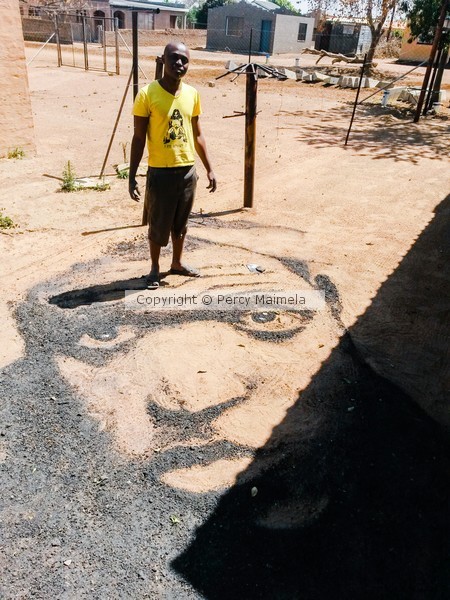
<point x="176" y="61"/>
<point x="175" y="47"/>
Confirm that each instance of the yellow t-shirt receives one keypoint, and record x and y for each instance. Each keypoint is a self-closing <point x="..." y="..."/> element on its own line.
<point x="170" y="137"/>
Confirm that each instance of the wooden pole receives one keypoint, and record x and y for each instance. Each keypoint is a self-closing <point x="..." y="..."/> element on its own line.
<point x="438" y="80"/>
<point x="85" y="47"/>
<point x="390" y="24"/>
<point x="135" y="54"/>
<point x="116" y="43"/>
<point x="251" y="92"/>
<point x="58" y="42"/>
<point x="105" y="65"/>
<point x="428" y="101"/>
<point x="434" y="48"/>
<point x="159" y="69"/>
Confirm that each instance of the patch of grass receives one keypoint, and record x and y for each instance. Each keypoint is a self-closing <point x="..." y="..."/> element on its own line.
<point x="68" y="183"/>
<point x="122" y="174"/>
<point x="6" y="222"/>
<point x="101" y="187"/>
<point x="16" y="153"/>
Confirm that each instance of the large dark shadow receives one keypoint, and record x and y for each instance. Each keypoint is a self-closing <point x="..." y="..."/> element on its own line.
<point x="377" y="132"/>
<point x="350" y="496"/>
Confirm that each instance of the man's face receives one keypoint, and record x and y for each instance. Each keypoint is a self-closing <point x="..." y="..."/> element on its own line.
<point x="176" y="61"/>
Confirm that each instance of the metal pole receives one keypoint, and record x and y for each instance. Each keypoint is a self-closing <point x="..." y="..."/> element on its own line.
<point x="438" y="80"/>
<point x="73" y="49"/>
<point x="251" y="92"/>
<point x="105" y="66"/>
<point x="356" y="99"/>
<point x="58" y="42"/>
<point x="159" y="69"/>
<point x="86" y="60"/>
<point x="116" y="41"/>
<point x="436" y="42"/>
<point x="134" y="15"/>
<point x="115" y="125"/>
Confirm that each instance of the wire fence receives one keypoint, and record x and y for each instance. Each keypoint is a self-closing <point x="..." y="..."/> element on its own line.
<point x="80" y="41"/>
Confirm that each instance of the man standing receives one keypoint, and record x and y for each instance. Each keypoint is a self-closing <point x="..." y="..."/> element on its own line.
<point x="166" y="113"/>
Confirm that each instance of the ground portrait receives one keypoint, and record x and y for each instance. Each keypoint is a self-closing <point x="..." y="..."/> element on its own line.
<point x="233" y="453"/>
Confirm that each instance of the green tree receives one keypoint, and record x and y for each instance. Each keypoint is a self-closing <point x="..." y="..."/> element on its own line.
<point x="374" y="12"/>
<point x="201" y="14"/>
<point x="423" y="16"/>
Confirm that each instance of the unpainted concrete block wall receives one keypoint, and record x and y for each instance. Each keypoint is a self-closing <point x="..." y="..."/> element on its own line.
<point x="16" y="118"/>
<point x="193" y="38"/>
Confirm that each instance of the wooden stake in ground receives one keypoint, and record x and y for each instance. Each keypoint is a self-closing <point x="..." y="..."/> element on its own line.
<point x="434" y="49"/>
<point x="251" y="91"/>
<point x="250" y="70"/>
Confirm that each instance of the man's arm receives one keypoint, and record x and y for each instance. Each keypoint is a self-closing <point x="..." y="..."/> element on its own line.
<point x="137" y="150"/>
<point x="200" y="148"/>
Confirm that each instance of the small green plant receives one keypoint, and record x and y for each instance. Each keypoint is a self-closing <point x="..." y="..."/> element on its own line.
<point x="101" y="187"/>
<point x="6" y="222"/>
<point x="68" y="180"/>
<point x="16" y="153"/>
<point x="122" y="174"/>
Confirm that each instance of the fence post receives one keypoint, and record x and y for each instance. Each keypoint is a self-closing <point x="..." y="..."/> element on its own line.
<point x="58" y="42"/>
<point x="159" y="68"/>
<point x="86" y="60"/>
<point x="134" y="22"/>
<point x="103" y="34"/>
<point x="116" y="41"/>
<point x="251" y="92"/>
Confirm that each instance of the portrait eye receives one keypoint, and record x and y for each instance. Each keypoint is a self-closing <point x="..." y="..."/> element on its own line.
<point x="284" y="323"/>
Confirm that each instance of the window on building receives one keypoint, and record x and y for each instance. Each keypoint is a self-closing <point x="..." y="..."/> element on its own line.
<point x="80" y="14"/>
<point x="34" y="11"/>
<point x="235" y="26"/>
<point x="302" y="28"/>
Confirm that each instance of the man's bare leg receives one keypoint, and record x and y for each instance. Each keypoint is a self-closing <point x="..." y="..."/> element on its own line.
<point x="155" y="251"/>
<point x="177" y="250"/>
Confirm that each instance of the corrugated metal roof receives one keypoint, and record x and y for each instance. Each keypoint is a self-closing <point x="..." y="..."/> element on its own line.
<point x="142" y="5"/>
<point x="264" y="4"/>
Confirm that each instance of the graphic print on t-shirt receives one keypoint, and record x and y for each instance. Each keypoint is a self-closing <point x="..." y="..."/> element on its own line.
<point x="176" y="130"/>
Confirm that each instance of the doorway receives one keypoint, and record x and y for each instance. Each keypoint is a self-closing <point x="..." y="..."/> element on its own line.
<point x="266" y="35"/>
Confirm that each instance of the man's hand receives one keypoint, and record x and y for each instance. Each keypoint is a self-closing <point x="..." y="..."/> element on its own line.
<point x="133" y="190"/>
<point x="212" y="182"/>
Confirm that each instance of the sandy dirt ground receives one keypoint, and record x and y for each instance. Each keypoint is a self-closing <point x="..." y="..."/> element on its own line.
<point x="130" y="438"/>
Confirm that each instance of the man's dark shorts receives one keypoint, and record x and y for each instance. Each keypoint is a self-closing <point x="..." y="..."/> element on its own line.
<point x="170" y="195"/>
